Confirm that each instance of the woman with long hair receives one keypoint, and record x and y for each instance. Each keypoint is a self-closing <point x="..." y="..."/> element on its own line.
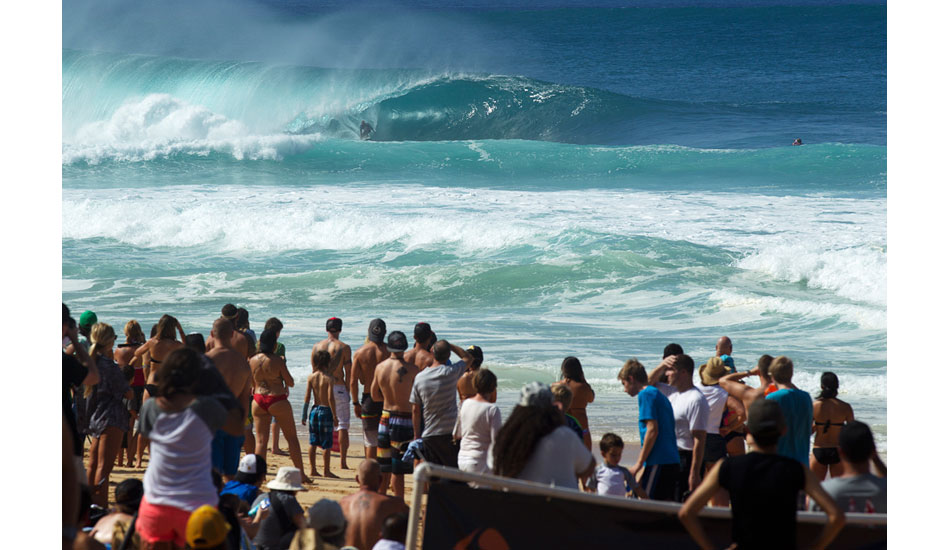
<point x="271" y="383"/>
<point x="830" y="415"/>
<point x="151" y="354"/>
<point x="535" y="445"/>
<point x="126" y="359"/>
<point x="106" y="415"/>
<point x="572" y="374"/>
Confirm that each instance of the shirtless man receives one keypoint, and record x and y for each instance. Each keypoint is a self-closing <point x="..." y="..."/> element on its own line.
<point x="340" y="366"/>
<point x="238" y="339"/>
<point x="372" y="353"/>
<point x="366" y="509"/>
<point x="421" y="355"/>
<point x="225" y="448"/>
<point x="323" y="415"/>
<point x="466" y="384"/>
<point x="392" y="384"/>
<point x="724" y="352"/>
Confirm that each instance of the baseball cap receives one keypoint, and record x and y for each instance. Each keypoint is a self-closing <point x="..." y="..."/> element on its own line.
<point x="765" y="418"/>
<point x="396" y="341"/>
<point x="422" y="332"/>
<point x="326" y="516"/>
<point x="377" y="331"/>
<point x="536" y="394"/>
<point x="334" y="324"/>
<point x="88" y="318"/>
<point x="206" y="528"/>
<point x="249" y="464"/>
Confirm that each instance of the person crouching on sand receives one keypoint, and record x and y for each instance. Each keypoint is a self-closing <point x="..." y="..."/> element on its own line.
<point x="763" y="488"/>
<point x="180" y="426"/>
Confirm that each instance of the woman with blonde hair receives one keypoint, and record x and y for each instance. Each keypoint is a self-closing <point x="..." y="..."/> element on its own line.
<point x="106" y="415"/>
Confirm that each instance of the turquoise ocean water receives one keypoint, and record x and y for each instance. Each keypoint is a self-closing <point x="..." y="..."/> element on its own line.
<point x="545" y="179"/>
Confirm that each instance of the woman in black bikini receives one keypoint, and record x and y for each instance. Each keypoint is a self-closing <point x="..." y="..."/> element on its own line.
<point x="155" y="350"/>
<point x="830" y="414"/>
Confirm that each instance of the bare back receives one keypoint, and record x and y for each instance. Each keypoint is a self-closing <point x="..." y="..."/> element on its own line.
<point x="270" y="375"/>
<point x="583" y="394"/>
<point x="466" y="385"/>
<point x="393" y="379"/>
<point x="365" y="361"/>
<point x="233" y="367"/>
<point x="340" y="358"/>
<point x="420" y="357"/>
<point x="365" y="512"/>
<point x="830" y="414"/>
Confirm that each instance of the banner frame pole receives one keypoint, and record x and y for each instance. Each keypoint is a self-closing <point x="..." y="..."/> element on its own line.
<point x="424" y="472"/>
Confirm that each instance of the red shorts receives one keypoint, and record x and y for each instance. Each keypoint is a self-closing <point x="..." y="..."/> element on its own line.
<point x="157" y="523"/>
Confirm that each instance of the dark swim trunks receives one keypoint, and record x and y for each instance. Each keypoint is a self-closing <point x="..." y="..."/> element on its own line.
<point x="395" y="428"/>
<point x="826" y="455"/>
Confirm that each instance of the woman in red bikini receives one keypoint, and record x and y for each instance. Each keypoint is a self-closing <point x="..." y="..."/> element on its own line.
<point x="271" y="385"/>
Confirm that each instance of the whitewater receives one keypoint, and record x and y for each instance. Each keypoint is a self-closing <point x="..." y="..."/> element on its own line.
<point x="583" y="200"/>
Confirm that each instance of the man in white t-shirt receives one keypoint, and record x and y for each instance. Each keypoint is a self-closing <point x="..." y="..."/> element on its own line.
<point x="690" y="414"/>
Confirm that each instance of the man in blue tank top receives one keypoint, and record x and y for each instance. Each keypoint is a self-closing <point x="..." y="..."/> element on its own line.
<point x="659" y="458"/>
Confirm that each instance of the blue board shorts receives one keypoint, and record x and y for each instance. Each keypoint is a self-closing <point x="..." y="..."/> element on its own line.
<point x="321" y="427"/>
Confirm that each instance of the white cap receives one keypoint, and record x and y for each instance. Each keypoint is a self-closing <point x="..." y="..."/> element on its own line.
<point x="248" y="464"/>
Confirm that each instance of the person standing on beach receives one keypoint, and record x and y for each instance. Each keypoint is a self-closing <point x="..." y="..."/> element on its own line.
<point x="478" y="425"/>
<point x="716" y="398"/>
<point x="323" y="415"/>
<point x="86" y="320"/>
<point x="434" y="409"/>
<point x="392" y="384"/>
<point x="830" y="415"/>
<point x="365" y="360"/>
<point x="272" y="382"/>
<point x="366" y="509"/>
<point x="274" y="324"/>
<point x="233" y="366"/>
<point x="421" y="355"/>
<point x="180" y="425"/>
<point x="125" y="357"/>
<point x="466" y="385"/>
<point x="724" y="351"/>
<point x="690" y="414"/>
<point x="796" y="408"/>
<point x="658" y="457"/>
<point x="572" y="375"/>
<point x="238" y="340"/>
<point x="106" y="416"/>
<point x="339" y="370"/>
<point x="763" y="487"/>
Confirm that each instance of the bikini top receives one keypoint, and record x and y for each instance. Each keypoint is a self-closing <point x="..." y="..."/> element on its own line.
<point x="827" y="424"/>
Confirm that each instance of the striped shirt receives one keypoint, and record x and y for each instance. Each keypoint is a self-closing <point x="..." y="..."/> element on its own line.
<point x="434" y="390"/>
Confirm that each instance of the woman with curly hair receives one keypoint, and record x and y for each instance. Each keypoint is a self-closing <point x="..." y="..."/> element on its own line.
<point x="535" y="445"/>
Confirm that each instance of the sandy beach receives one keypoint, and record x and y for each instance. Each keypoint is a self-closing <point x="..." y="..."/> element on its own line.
<point x="334" y="489"/>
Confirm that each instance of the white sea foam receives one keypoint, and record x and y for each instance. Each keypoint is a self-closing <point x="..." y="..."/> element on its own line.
<point x="160" y="125"/>
<point x="839" y="246"/>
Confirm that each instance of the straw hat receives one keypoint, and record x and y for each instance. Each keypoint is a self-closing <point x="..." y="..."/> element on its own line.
<point x="712" y="371"/>
<point x="288" y="479"/>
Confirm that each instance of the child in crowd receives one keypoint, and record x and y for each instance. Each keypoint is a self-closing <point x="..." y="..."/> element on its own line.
<point x="610" y="478"/>
<point x="180" y="426"/>
<point x="323" y="415"/>
<point x="246" y="483"/>
<point x="562" y="400"/>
